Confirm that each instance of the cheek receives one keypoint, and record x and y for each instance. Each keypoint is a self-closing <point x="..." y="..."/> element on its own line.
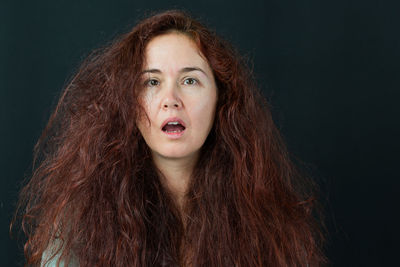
<point x="203" y="112"/>
<point x="147" y="111"/>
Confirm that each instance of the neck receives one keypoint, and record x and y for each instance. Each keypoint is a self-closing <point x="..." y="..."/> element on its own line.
<point x="177" y="173"/>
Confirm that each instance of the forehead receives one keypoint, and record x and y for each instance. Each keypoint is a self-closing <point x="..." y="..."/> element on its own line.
<point x="173" y="51"/>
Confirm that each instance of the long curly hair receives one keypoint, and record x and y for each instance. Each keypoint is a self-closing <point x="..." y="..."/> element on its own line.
<point x="96" y="193"/>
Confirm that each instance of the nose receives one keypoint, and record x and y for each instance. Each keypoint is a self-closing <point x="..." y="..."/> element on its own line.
<point x="171" y="99"/>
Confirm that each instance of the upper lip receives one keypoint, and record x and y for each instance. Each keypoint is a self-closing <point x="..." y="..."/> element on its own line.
<point x="173" y="119"/>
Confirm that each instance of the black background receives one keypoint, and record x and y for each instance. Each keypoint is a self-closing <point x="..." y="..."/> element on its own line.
<point x="329" y="69"/>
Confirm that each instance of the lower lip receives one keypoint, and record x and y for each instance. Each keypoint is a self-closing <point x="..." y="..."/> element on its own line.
<point x="174" y="135"/>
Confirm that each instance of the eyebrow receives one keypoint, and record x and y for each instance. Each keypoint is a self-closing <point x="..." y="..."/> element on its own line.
<point x="183" y="70"/>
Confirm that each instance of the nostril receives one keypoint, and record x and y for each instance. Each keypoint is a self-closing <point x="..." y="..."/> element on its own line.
<point x="167" y="105"/>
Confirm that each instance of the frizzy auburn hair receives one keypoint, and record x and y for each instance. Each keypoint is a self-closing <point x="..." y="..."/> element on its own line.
<point x="96" y="192"/>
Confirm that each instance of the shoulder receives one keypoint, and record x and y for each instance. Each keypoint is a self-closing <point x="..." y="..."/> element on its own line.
<point x="52" y="254"/>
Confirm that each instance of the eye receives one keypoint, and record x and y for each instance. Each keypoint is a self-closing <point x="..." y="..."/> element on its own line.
<point x="151" y="82"/>
<point x="190" y="81"/>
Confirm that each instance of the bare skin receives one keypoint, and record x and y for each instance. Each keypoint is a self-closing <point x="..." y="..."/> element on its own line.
<point x="177" y="174"/>
<point x="178" y="84"/>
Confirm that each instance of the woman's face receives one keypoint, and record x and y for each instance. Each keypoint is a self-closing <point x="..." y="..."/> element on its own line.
<point x="179" y="97"/>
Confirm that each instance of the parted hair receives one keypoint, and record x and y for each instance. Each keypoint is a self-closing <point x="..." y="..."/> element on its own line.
<point x="96" y="192"/>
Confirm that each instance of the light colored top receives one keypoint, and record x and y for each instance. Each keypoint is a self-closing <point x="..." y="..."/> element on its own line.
<point x="50" y="251"/>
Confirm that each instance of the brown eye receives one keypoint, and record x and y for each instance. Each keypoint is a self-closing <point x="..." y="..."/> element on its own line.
<point x="190" y="81"/>
<point x="152" y="82"/>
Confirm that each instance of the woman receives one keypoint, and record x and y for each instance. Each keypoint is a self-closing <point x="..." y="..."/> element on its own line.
<point x="162" y="152"/>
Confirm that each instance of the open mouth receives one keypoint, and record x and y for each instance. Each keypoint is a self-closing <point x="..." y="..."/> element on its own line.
<point x="173" y="127"/>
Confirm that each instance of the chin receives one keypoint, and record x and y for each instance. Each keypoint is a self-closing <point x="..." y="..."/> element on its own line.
<point x="168" y="153"/>
<point x="175" y="153"/>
